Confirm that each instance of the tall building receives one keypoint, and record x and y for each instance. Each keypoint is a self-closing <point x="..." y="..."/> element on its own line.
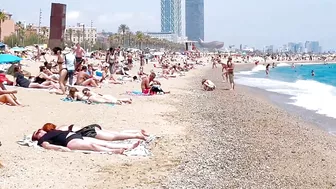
<point x="312" y="47"/>
<point x="194" y="19"/>
<point x="171" y="17"/>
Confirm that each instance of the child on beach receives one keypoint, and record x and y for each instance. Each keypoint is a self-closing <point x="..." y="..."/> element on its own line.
<point x="208" y="85"/>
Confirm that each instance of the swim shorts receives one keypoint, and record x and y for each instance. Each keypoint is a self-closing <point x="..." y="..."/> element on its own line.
<point x="89" y="131"/>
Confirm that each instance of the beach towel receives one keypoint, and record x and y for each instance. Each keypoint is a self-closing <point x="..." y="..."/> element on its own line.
<point x="67" y="99"/>
<point x="141" y="150"/>
<point x="136" y="93"/>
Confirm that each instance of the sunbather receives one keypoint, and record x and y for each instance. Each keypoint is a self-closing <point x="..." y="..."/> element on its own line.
<point x="151" y="86"/>
<point x="99" y="98"/>
<point x="67" y="141"/>
<point x="21" y="81"/>
<point x="43" y="78"/>
<point x="96" y="131"/>
<point x="84" y="79"/>
<point x="8" y="98"/>
<point x="75" y="95"/>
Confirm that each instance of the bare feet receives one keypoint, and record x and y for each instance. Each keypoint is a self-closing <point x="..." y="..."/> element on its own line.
<point x="144" y="133"/>
<point x="134" y="145"/>
<point x="140" y="136"/>
<point x="129" y="101"/>
<point x="118" y="151"/>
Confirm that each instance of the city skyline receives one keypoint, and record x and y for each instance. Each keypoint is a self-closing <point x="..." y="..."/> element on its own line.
<point x="253" y="23"/>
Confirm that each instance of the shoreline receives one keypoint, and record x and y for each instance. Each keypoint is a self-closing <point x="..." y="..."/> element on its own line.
<point x="284" y="101"/>
<point x="248" y="142"/>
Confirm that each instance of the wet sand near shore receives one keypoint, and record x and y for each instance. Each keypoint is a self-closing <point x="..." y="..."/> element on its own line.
<point x="237" y="139"/>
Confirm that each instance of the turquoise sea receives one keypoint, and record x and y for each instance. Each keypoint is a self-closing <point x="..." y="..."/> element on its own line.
<point x="316" y="93"/>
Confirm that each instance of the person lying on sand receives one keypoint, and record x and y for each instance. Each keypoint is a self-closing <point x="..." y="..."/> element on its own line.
<point x="208" y="85"/>
<point x="75" y="95"/>
<point x="84" y="79"/>
<point x="99" y="98"/>
<point x="96" y="131"/>
<point x="151" y="86"/>
<point x="21" y="81"/>
<point x="66" y="141"/>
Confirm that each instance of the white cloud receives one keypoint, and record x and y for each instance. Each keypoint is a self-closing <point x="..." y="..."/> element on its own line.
<point x="73" y="15"/>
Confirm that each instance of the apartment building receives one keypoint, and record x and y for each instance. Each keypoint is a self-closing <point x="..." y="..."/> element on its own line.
<point x="80" y="32"/>
<point x="7" y="27"/>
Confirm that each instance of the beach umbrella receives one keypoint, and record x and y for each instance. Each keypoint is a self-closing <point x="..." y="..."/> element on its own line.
<point x="8" y="58"/>
<point x="18" y="49"/>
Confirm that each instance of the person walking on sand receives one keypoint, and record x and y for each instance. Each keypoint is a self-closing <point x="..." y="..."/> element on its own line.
<point x="79" y="53"/>
<point x="230" y="70"/>
<point x="224" y="73"/>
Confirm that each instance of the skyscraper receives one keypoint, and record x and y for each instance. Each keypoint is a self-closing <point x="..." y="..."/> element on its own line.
<point x="194" y="19"/>
<point x="171" y="16"/>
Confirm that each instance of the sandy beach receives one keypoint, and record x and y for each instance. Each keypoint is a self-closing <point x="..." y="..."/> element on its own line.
<point x="239" y="140"/>
<point x="47" y="169"/>
<point x="220" y="139"/>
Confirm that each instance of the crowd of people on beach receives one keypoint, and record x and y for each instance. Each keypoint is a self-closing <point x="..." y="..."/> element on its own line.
<point x="71" y="70"/>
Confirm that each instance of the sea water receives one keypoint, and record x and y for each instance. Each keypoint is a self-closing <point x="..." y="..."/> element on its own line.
<point x="316" y="93"/>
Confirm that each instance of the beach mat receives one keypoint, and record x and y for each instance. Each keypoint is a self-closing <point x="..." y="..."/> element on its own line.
<point x="141" y="150"/>
<point x="136" y="93"/>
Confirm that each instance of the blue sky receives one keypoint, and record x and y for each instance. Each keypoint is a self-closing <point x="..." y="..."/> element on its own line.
<point x="251" y="22"/>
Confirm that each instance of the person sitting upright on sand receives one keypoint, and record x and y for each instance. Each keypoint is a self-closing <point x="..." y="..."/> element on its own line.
<point x="151" y="86"/>
<point x="84" y="79"/>
<point x="208" y="85"/>
<point x="8" y="97"/>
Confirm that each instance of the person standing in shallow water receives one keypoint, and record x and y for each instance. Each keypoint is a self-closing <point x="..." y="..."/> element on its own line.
<point x="230" y="71"/>
<point x="267" y="69"/>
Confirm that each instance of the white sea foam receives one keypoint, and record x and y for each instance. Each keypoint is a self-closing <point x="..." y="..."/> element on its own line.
<point x="259" y="68"/>
<point x="254" y="70"/>
<point x="283" y="65"/>
<point x="308" y="94"/>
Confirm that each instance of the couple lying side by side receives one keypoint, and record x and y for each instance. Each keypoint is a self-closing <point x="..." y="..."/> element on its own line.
<point x="92" y="97"/>
<point x="89" y="138"/>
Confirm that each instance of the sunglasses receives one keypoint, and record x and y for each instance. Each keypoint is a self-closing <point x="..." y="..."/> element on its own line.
<point x="86" y="92"/>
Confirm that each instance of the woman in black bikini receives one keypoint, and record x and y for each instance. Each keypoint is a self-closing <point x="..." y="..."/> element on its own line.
<point x="63" y="72"/>
<point x="66" y="141"/>
<point x="21" y="81"/>
<point x="96" y="131"/>
<point x="43" y="78"/>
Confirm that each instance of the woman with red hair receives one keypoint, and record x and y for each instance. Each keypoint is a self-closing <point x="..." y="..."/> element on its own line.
<point x="54" y="139"/>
